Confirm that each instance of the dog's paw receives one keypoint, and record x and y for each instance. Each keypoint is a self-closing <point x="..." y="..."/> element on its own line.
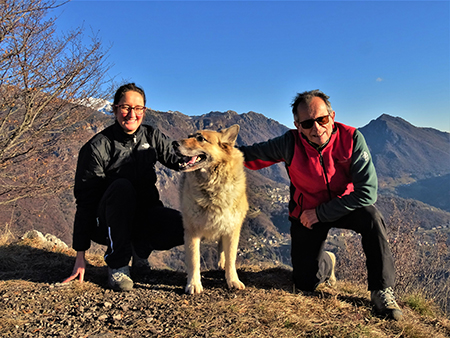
<point x="193" y="288"/>
<point x="221" y="263"/>
<point x="236" y="284"/>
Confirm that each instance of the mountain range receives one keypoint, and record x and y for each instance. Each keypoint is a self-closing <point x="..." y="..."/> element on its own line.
<point x="411" y="162"/>
<point x="404" y="153"/>
<point x="413" y="166"/>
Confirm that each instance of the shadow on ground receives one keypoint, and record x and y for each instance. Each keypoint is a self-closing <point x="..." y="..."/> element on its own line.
<point x="24" y="262"/>
<point x="19" y="261"/>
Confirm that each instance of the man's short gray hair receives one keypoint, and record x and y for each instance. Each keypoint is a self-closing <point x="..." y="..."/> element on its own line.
<point x="306" y="98"/>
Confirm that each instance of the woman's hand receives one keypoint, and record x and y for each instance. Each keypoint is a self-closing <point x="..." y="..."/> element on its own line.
<point x="79" y="268"/>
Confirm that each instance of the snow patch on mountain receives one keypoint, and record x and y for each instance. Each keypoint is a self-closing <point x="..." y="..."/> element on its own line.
<point x="100" y="105"/>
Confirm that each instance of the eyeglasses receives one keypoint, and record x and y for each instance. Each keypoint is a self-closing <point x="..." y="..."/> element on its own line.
<point x="126" y="109"/>
<point x="322" y="120"/>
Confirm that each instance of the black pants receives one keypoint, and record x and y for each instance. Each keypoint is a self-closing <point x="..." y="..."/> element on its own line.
<point x="125" y="221"/>
<point x="312" y="267"/>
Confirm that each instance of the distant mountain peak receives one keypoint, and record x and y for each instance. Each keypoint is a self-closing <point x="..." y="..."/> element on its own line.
<point x="228" y="113"/>
<point x="392" y="120"/>
<point x="100" y="105"/>
<point x="388" y="117"/>
<point x="400" y="149"/>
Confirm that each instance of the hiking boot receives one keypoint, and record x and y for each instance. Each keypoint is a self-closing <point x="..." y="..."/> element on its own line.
<point x="331" y="281"/>
<point x="119" y="279"/>
<point x="385" y="304"/>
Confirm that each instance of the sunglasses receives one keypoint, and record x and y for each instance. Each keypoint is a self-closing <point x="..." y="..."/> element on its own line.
<point x="307" y="124"/>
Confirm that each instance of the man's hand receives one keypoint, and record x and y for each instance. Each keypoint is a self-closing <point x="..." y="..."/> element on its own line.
<point x="79" y="268"/>
<point x="309" y="218"/>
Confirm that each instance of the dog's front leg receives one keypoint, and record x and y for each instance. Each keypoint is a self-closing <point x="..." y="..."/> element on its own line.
<point x="230" y="245"/>
<point x="221" y="254"/>
<point x="192" y="260"/>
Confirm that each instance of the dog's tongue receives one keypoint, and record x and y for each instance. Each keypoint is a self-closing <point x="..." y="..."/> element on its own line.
<point x="192" y="160"/>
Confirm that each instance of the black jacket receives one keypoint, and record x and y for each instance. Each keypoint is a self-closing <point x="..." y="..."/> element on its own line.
<point x="110" y="155"/>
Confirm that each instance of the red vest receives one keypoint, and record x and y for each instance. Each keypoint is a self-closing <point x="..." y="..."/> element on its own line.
<point x="317" y="177"/>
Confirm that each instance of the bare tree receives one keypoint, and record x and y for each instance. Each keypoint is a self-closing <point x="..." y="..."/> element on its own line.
<point x="42" y="78"/>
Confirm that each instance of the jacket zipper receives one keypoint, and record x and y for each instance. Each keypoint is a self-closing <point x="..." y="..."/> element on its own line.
<point x="325" y="174"/>
<point x="133" y="156"/>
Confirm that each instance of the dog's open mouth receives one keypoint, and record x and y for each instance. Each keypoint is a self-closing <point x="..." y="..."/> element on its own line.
<point x="189" y="163"/>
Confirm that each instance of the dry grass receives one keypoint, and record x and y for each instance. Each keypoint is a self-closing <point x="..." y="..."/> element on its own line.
<point x="266" y="308"/>
<point x="6" y="235"/>
<point x="422" y="263"/>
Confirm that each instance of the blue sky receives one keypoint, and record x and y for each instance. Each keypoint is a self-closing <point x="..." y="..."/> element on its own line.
<point x="370" y="57"/>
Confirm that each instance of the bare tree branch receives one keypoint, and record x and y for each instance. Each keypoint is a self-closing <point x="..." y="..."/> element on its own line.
<point x="42" y="78"/>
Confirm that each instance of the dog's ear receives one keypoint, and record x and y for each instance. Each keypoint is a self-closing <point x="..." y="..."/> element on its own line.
<point x="230" y="134"/>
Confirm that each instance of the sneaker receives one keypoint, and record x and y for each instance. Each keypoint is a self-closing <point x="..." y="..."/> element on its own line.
<point x="331" y="281"/>
<point x="119" y="279"/>
<point x="385" y="304"/>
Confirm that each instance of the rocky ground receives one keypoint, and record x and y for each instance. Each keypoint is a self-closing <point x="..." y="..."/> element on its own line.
<point x="31" y="306"/>
<point x="156" y="307"/>
<point x="34" y="304"/>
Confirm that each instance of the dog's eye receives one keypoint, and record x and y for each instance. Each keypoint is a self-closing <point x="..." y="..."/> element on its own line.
<point x="200" y="138"/>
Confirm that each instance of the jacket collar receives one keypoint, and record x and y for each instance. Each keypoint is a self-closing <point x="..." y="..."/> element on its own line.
<point x="121" y="136"/>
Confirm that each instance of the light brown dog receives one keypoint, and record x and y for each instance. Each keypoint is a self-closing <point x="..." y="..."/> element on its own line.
<point x="213" y="200"/>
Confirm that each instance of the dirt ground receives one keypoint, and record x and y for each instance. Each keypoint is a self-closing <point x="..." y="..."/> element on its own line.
<point x="34" y="304"/>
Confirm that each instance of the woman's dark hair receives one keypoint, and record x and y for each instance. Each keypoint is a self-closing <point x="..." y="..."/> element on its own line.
<point x="129" y="87"/>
